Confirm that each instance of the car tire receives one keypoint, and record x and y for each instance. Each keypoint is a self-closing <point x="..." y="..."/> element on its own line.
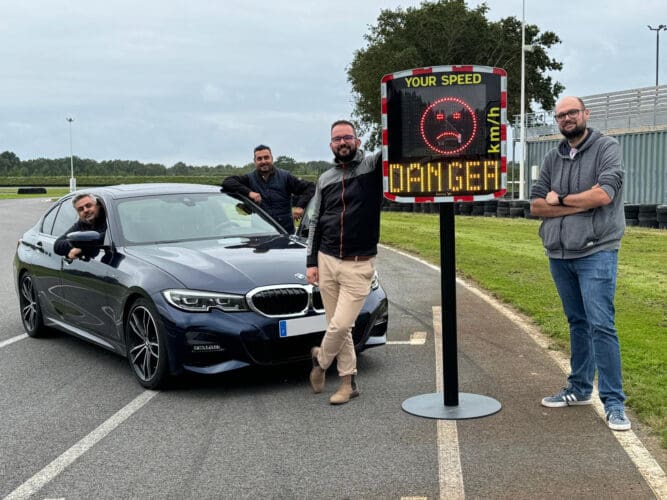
<point x="145" y="345"/>
<point x="31" y="313"/>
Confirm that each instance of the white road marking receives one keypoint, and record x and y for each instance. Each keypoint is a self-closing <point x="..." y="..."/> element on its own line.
<point x="417" y="338"/>
<point x="48" y="473"/>
<point x="647" y="466"/>
<point x="449" y="456"/>
<point x="13" y="339"/>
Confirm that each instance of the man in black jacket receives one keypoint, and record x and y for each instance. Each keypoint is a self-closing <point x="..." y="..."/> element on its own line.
<point x="343" y="235"/>
<point x="272" y="189"/>
<point x="91" y="218"/>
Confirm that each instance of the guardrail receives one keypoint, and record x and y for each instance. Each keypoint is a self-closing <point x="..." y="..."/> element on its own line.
<point x="635" y="108"/>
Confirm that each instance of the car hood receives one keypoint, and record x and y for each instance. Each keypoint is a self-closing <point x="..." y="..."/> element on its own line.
<point x="233" y="265"/>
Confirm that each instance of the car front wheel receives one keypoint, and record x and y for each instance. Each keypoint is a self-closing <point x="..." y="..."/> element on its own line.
<point x="31" y="314"/>
<point x="146" y="347"/>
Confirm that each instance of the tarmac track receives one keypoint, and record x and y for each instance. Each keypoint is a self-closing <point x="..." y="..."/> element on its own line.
<point x="75" y="425"/>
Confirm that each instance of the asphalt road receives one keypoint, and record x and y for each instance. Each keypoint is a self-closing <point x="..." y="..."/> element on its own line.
<point x="75" y="424"/>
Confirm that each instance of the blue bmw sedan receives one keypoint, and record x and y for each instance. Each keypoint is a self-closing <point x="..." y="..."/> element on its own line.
<point x="185" y="278"/>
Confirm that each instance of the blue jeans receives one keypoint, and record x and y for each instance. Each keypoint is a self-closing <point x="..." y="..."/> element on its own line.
<point x="586" y="287"/>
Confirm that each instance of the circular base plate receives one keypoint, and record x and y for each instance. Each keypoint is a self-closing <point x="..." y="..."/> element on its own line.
<point x="433" y="406"/>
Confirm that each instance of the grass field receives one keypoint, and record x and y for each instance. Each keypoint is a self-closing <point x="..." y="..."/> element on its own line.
<point x="505" y="257"/>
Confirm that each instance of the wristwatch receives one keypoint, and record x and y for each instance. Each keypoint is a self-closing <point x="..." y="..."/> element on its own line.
<point x="561" y="197"/>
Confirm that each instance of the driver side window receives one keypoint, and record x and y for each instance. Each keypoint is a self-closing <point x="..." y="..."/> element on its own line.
<point x="66" y="217"/>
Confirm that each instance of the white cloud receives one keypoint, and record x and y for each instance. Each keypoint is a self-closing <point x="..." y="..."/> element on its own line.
<point x="204" y="82"/>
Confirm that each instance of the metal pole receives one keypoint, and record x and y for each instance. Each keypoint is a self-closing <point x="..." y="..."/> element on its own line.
<point x="448" y="298"/>
<point x="523" y="103"/>
<point x="513" y="167"/>
<point x="72" y="181"/>
<point x="657" y="54"/>
<point x="657" y="48"/>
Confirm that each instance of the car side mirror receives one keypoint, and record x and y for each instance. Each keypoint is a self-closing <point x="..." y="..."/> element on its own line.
<point x="85" y="239"/>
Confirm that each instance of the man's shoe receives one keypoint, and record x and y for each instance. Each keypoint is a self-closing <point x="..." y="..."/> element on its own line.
<point x="346" y="391"/>
<point x="566" y="398"/>
<point x="617" y="421"/>
<point x="317" y="374"/>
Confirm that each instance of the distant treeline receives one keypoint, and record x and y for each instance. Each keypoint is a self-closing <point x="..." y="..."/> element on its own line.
<point x="83" y="181"/>
<point x="12" y="166"/>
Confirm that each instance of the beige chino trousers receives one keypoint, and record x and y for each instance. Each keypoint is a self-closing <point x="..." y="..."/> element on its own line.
<point x="344" y="286"/>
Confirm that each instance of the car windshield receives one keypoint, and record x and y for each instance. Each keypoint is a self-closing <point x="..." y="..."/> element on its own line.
<point x="183" y="217"/>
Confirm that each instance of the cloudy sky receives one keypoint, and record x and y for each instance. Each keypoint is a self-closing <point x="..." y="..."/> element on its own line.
<point x="204" y="81"/>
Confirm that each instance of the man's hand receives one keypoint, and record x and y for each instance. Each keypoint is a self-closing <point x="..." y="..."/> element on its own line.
<point x="256" y="197"/>
<point x="74" y="253"/>
<point x="552" y="198"/>
<point x="313" y="276"/>
<point x="297" y="213"/>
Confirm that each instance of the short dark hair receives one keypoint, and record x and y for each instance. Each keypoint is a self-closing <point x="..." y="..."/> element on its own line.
<point x="344" y="122"/>
<point x="261" y="147"/>
<point x="84" y="195"/>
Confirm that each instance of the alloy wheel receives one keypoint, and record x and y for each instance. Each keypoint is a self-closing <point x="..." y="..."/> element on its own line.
<point x="144" y="343"/>
<point x="28" y="304"/>
<point x="31" y="314"/>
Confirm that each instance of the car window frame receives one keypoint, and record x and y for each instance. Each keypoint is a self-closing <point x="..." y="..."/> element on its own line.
<point x="65" y="205"/>
<point x="52" y="211"/>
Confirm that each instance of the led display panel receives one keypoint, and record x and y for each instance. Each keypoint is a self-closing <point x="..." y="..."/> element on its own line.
<point x="444" y="134"/>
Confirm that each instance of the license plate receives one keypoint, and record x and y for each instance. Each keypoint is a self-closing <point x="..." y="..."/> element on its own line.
<point x="302" y="326"/>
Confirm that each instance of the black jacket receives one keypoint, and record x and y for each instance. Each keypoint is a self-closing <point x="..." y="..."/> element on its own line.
<point x="276" y="192"/>
<point x="62" y="246"/>
<point x="346" y="217"/>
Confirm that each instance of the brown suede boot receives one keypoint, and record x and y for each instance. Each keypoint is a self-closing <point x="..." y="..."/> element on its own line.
<point x="346" y="391"/>
<point x="317" y="373"/>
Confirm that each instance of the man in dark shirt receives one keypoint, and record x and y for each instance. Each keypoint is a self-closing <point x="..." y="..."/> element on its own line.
<point x="342" y="243"/>
<point x="91" y="218"/>
<point x="272" y="189"/>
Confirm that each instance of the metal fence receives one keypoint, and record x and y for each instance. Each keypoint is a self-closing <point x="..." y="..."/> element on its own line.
<point x="627" y="109"/>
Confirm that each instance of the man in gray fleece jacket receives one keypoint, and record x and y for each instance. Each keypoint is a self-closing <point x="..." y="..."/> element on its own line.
<point x="579" y="196"/>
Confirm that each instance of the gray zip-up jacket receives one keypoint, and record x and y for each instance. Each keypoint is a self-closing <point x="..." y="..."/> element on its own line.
<point x="597" y="161"/>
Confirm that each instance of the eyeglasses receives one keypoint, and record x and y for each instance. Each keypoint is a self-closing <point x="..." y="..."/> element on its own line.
<point x="341" y="138"/>
<point x="572" y="113"/>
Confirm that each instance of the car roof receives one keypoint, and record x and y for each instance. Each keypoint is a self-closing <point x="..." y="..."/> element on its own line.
<point x="147" y="189"/>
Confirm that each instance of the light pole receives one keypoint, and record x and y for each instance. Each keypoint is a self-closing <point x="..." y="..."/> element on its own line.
<point x="72" y="180"/>
<point x="522" y="140"/>
<point x="657" y="47"/>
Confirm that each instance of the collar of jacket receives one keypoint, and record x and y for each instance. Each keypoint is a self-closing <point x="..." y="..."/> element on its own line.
<point x="261" y="177"/>
<point x="564" y="146"/>
<point x="352" y="163"/>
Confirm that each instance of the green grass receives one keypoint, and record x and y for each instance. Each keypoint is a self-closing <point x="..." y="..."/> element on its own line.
<point x="9" y="193"/>
<point x="505" y="257"/>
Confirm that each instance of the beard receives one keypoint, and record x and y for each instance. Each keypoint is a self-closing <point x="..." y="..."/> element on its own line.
<point x="345" y="157"/>
<point x="577" y="131"/>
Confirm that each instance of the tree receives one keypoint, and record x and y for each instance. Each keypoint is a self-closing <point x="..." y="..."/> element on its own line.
<point x="8" y="162"/>
<point x="179" y="168"/>
<point x="286" y="163"/>
<point x="317" y="167"/>
<point x="443" y="33"/>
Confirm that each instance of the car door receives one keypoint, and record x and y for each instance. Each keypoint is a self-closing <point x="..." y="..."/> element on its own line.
<point x="87" y="287"/>
<point x="45" y="265"/>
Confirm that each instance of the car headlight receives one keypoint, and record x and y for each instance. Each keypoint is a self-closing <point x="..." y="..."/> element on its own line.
<point x="375" y="281"/>
<point x="196" y="301"/>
